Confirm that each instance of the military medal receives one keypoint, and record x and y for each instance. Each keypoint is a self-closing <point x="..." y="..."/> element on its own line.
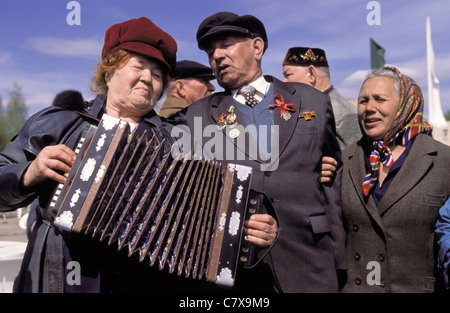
<point x="286" y="115"/>
<point x="231" y="118"/>
<point x="234" y="133"/>
<point x="225" y="119"/>
<point x="285" y="108"/>
<point x="221" y="122"/>
<point x="307" y="114"/>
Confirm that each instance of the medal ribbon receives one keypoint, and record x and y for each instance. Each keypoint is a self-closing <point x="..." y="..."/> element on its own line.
<point x="279" y="102"/>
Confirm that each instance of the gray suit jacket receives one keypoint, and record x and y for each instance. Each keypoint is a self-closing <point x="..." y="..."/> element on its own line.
<point x="391" y="248"/>
<point x="347" y="126"/>
<point x="310" y="246"/>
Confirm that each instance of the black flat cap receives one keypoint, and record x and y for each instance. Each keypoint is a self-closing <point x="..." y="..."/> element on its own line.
<point x="223" y="23"/>
<point x="192" y="69"/>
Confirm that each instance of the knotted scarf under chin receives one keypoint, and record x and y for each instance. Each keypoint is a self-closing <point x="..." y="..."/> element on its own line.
<point x="380" y="154"/>
<point x="407" y="124"/>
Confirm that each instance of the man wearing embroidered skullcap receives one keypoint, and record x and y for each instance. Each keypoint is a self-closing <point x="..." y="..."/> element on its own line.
<point x="191" y="81"/>
<point x="281" y="131"/>
<point x="310" y="66"/>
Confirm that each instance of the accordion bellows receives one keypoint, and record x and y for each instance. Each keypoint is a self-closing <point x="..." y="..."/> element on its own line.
<point x="183" y="215"/>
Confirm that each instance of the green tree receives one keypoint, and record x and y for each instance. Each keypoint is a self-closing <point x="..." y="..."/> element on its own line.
<point x="3" y="137"/>
<point x="16" y="111"/>
<point x="447" y="116"/>
<point x="14" y="116"/>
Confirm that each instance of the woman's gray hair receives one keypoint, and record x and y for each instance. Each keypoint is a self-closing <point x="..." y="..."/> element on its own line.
<point x="385" y="72"/>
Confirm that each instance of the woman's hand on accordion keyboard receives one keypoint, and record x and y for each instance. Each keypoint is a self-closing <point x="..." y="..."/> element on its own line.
<point x="261" y="230"/>
<point x="51" y="163"/>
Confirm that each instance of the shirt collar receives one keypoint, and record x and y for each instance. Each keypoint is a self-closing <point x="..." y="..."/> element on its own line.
<point x="327" y="91"/>
<point x="261" y="86"/>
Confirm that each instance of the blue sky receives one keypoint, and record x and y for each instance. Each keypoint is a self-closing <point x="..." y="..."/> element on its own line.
<point x="44" y="55"/>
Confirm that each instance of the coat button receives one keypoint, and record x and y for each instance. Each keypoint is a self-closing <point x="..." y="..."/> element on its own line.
<point x="358" y="281"/>
<point x="357" y="256"/>
<point x="355" y="227"/>
<point x="381" y="257"/>
<point x="268" y="173"/>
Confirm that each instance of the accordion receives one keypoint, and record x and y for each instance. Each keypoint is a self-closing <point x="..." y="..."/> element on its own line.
<point x="183" y="215"/>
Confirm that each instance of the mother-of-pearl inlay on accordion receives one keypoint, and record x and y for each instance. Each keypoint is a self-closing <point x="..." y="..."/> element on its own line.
<point x="184" y="216"/>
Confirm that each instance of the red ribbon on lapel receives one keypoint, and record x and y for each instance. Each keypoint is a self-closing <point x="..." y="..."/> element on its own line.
<point x="279" y="102"/>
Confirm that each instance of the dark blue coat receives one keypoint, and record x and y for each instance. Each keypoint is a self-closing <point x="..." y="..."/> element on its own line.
<point x="311" y="244"/>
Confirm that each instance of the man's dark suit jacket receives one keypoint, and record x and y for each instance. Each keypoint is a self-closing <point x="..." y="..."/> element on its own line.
<point x="311" y="243"/>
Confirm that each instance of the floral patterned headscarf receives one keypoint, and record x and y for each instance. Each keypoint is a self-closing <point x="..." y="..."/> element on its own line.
<point x="407" y="124"/>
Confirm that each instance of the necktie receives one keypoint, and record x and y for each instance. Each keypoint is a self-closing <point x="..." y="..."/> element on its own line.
<point x="249" y="94"/>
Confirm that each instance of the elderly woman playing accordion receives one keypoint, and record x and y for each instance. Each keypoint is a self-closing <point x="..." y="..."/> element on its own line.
<point x="137" y="60"/>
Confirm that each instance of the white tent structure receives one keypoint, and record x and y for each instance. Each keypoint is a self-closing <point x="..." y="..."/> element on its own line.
<point x="436" y="117"/>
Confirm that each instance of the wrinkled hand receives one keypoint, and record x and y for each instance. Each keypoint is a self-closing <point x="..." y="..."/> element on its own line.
<point x="328" y="169"/>
<point x="261" y="230"/>
<point x="51" y="163"/>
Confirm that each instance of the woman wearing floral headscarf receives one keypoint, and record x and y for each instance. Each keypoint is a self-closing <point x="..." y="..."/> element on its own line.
<point x="394" y="181"/>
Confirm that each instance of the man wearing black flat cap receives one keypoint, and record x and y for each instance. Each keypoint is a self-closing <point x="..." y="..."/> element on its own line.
<point x="281" y="130"/>
<point x="191" y="81"/>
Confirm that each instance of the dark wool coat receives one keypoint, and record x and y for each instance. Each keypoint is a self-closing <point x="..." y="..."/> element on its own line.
<point x="392" y="247"/>
<point x="310" y="247"/>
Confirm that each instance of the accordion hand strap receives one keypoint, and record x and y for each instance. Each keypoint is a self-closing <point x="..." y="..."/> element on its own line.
<point x="263" y="206"/>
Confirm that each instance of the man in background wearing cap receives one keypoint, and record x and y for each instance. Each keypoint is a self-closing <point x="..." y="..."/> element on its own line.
<point x="191" y="81"/>
<point x="310" y="66"/>
<point x="281" y="132"/>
